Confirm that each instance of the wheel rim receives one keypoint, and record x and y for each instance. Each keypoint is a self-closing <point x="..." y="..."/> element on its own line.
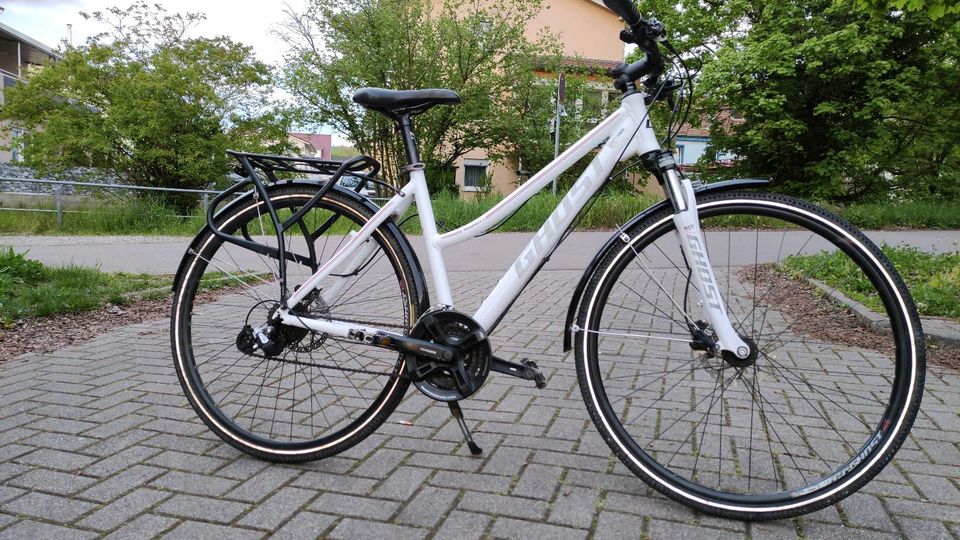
<point x="298" y="402"/>
<point x="644" y="420"/>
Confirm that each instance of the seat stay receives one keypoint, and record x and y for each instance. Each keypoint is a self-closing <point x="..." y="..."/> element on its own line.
<point x="396" y="206"/>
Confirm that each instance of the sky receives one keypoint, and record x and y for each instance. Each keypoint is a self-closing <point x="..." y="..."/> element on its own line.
<point x="251" y="22"/>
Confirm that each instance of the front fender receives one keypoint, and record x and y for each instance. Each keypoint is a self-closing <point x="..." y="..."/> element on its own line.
<point x="726" y="185"/>
<point x="419" y="282"/>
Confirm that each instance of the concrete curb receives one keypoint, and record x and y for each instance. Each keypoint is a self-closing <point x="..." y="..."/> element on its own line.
<point x="940" y="331"/>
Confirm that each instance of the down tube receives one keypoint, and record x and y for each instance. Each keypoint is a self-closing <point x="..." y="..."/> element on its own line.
<point x="542" y="244"/>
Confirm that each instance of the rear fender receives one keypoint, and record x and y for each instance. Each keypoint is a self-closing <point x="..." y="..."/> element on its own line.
<point x="420" y="283"/>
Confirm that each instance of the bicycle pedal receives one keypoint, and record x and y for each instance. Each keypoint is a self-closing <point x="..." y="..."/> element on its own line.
<point x="534" y="373"/>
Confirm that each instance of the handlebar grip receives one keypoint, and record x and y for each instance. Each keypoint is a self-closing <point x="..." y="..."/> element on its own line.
<point x="626" y="10"/>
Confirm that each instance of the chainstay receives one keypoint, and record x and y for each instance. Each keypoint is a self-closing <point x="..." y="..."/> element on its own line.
<point x="329" y="366"/>
<point x="355" y="321"/>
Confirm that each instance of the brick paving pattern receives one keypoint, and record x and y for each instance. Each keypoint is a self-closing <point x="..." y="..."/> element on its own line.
<point x="98" y="440"/>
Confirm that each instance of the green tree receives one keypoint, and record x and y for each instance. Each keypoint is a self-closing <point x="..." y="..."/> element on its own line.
<point x="838" y="103"/>
<point x="147" y="103"/>
<point x="477" y="49"/>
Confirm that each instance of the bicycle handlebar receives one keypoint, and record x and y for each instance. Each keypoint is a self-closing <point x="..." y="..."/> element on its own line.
<point x="626" y="10"/>
<point x="644" y="34"/>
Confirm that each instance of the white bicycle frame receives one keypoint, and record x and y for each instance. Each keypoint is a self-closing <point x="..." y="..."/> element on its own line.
<point x="626" y="133"/>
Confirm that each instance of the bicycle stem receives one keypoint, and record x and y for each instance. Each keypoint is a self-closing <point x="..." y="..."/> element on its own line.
<point x="687" y="222"/>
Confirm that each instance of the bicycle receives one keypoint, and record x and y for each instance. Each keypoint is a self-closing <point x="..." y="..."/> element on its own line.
<point x="717" y="370"/>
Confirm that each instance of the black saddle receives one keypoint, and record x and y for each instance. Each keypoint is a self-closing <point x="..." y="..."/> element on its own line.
<point x="397" y="103"/>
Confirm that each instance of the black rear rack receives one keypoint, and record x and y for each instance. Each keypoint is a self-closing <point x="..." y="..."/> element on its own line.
<point x="359" y="166"/>
<point x="253" y="168"/>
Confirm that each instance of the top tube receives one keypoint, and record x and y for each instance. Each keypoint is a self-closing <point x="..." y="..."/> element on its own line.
<point x="531" y="187"/>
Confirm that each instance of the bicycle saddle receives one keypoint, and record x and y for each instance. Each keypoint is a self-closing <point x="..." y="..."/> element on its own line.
<point x="396" y="103"/>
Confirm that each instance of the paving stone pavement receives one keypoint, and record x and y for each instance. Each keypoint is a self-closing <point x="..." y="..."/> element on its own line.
<point x="97" y="440"/>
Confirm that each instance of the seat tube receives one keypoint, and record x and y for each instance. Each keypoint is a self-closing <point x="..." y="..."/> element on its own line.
<point x="428" y="224"/>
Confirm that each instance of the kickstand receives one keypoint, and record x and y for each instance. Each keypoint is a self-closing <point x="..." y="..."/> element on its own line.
<point x="457" y="413"/>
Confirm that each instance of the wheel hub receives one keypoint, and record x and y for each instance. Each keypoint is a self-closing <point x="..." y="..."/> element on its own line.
<point x="736" y="361"/>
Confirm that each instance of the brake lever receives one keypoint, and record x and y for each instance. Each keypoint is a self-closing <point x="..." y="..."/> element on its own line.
<point x="655" y="30"/>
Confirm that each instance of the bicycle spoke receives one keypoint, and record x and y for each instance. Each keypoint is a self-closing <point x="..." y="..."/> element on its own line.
<point x="637" y="336"/>
<point x="657" y="283"/>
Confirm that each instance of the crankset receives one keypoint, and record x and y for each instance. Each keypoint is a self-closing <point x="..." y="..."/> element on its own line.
<point x="456" y="378"/>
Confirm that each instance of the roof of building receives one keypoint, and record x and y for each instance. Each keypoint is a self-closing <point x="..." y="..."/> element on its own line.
<point x="316" y="139"/>
<point x="691" y="131"/>
<point x="589" y="64"/>
<point x="15" y="34"/>
<point x="573" y="64"/>
<point x="726" y="118"/>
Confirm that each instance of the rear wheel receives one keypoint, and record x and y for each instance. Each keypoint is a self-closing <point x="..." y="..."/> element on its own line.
<point x="320" y="395"/>
<point x="820" y="408"/>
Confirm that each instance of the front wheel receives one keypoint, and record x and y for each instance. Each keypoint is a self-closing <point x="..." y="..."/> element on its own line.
<point x="821" y="406"/>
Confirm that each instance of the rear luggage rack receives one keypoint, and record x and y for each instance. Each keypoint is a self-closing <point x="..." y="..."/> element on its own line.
<point x="255" y="168"/>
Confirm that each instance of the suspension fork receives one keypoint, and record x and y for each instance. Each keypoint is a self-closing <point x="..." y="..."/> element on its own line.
<point x="687" y="222"/>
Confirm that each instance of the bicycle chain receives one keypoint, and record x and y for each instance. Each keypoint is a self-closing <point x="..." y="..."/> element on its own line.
<point x="311" y="348"/>
<point x="330" y="366"/>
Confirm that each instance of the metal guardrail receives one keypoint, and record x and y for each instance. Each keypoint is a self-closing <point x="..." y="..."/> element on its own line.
<point x="58" y="194"/>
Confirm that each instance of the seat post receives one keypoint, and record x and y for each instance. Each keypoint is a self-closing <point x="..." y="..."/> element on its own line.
<point x="406" y="129"/>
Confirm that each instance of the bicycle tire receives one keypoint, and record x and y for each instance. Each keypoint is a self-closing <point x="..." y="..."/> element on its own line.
<point x="348" y="388"/>
<point x="823" y="386"/>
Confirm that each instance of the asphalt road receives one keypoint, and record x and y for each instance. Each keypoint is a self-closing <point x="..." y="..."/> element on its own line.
<point x="162" y="254"/>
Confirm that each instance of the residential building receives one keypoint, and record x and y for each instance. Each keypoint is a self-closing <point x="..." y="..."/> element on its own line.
<point x="588" y="31"/>
<point x="692" y="143"/>
<point x="19" y="55"/>
<point x="311" y="144"/>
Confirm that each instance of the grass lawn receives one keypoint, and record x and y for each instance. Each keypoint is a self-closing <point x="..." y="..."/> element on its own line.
<point x="29" y="289"/>
<point x="133" y="216"/>
<point x="934" y="280"/>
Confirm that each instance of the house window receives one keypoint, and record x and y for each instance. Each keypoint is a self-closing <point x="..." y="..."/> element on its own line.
<point x="680" y="154"/>
<point x="16" y="152"/>
<point x="474" y="174"/>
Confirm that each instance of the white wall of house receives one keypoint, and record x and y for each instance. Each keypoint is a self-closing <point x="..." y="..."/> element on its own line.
<point x="691" y="148"/>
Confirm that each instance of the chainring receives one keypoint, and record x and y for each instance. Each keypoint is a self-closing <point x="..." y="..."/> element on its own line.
<point x="466" y="373"/>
